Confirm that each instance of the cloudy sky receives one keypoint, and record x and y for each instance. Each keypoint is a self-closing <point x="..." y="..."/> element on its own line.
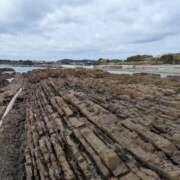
<point x="55" y="29"/>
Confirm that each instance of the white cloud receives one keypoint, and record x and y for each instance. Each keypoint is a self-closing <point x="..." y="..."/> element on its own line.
<point x="88" y="29"/>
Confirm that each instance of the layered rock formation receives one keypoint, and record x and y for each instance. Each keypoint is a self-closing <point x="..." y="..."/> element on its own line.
<point x="89" y="125"/>
<point x="85" y="124"/>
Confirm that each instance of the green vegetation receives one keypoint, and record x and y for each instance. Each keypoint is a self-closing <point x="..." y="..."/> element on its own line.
<point x="139" y="58"/>
<point x="167" y="59"/>
<point x="105" y="61"/>
<point x="170" y="59"/>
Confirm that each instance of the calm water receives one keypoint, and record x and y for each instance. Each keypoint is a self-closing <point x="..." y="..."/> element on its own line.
<point x="23" y="69"/>
<point x="164" y="71"/>
<point x="20" y="69"/>
<point x="130" y="72"/>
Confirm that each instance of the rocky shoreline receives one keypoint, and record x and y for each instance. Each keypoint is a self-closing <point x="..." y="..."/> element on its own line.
<point x="5" y="74"/>
<point x="88" y="124"/>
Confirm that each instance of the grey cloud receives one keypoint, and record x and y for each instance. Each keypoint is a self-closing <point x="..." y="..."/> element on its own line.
<point x="25" y="15"/>
<point x="94" y="27"/>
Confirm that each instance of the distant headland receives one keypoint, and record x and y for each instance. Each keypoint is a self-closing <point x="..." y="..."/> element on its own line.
<point x="132" y="60"/>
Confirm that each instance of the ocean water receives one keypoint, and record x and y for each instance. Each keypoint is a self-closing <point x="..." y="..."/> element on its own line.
<point x="163" y="71"/>
<point x="162" y="74"/>
<point x="20" y="69"/>
<point x="120" y="72"/>
<point x="76" y="66"/>
<point x="23" y="69"/>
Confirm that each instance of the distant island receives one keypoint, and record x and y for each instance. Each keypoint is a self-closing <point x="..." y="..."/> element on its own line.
<point x="132" y="60"/>
<point x="46" y="63"/>
<point x="143" y="60"/>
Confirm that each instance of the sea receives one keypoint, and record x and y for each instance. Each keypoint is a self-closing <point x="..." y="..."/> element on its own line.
<point x="163" y="71"/>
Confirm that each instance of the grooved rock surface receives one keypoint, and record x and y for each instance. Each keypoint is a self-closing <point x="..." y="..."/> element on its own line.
<point x="87" y="124"/>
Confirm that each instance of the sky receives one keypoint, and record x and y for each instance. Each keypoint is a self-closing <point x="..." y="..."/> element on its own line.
<point x="90" y="29"/>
